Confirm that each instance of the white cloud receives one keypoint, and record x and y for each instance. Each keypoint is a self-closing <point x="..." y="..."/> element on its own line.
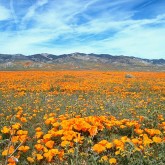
<point x="139" y="42"/>
<point x="59" y="21"/>
<point x="4" y="13"/>
<point x="31" y="12"/>
<point x="134" y="38"/>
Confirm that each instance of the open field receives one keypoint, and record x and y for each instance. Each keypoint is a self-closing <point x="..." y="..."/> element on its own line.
<point x="82" y="118"/>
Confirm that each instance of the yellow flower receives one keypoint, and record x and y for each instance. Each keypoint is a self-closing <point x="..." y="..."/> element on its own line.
<point x="8" y="151"/>
<point x="22" y="132"/>
<point x="38" y="129"/>
<point x="122" y="126"/>
<point x="119" y="144"/>
<point x="22" y="138"/>
<point x="146" y="140"/>
<point x="38" y="134"/>
<point x="45" y="149"/>
<point x="98" y="148"/>
<point x="5" y="130"/>
<point x="71" y="150"/>
<point x="109" y="145"/>
<point x="78" y="138"/>
<point x="30" y="159"/>
<point x="39" y="156"/>
<point x="39" y="147"/>
<point x="65" y="143"/>
<point x="103" y="142"/>
<point x="16" y="126"/>
<point x="61" y="154"/>
<point x="23" y="119"/>
<point x="54" y="151"/>
<point x="153" y="132"/>
<point x="104" y="158"/>
<point x="138" y="131"/>
<point x="112" y="161"/>
<point x="157" y="139"/>
<point x="135" y="141"/>
<point x="23" y="148"/>
<point x="93" y="130"/>
<point x="15" y="139"/>
<point x="48" y="156"/>
<point x="117" y="152"/>
<point x="47" y="136"/>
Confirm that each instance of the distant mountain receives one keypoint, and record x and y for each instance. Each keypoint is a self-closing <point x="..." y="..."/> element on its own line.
<point x="79" y="61"/>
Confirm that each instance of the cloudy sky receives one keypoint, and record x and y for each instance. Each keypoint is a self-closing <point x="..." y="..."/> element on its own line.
<point x="117" y="27"/>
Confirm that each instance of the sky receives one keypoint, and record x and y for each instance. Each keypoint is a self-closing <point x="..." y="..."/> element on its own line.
<point x="116" y="27"/>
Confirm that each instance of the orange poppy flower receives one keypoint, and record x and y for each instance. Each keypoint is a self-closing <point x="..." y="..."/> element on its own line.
<point x="93" y="130"/>
<point x="30" y="159"/>
<point x="98" y="148"/>
<point x="65" y="143"/>
<point x="112" y="161"/>
<point x="157" y="139"/>
<point x="15" y="139"/>
<point x="39" y="147"/>
<point x="38" y="134"/>
<point x="39" y="157"/>
<point x="5" y="130"/>
<point x="49" y="144"/>
<point x="24" y="148"/>
<point x="8" y="151"/>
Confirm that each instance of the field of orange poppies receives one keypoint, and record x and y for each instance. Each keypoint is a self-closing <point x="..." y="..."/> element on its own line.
<point x="82" y="118"/>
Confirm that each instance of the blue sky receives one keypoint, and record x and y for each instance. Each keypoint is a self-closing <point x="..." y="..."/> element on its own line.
<point x="117" y="27"/>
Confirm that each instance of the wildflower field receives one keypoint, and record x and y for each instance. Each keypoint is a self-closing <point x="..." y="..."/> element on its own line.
<point x="82" y="118"/>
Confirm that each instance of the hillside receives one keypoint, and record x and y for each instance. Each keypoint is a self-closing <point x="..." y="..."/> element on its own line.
<point x="79" y="61"/>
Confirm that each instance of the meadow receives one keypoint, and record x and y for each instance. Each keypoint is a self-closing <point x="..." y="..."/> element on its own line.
<point x="82" y="118"/>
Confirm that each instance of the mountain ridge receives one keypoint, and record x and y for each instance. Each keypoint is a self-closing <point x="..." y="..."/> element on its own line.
<point x="78" y="61"/>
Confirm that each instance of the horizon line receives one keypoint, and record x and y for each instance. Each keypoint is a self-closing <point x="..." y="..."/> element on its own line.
<point x="82" y="53"/>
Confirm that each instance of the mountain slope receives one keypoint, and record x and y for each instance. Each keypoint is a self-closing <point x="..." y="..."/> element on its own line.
<point x="78" y="61"/>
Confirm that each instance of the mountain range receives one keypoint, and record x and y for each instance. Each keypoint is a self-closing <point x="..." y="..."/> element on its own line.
<point x="79" y="61"/>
